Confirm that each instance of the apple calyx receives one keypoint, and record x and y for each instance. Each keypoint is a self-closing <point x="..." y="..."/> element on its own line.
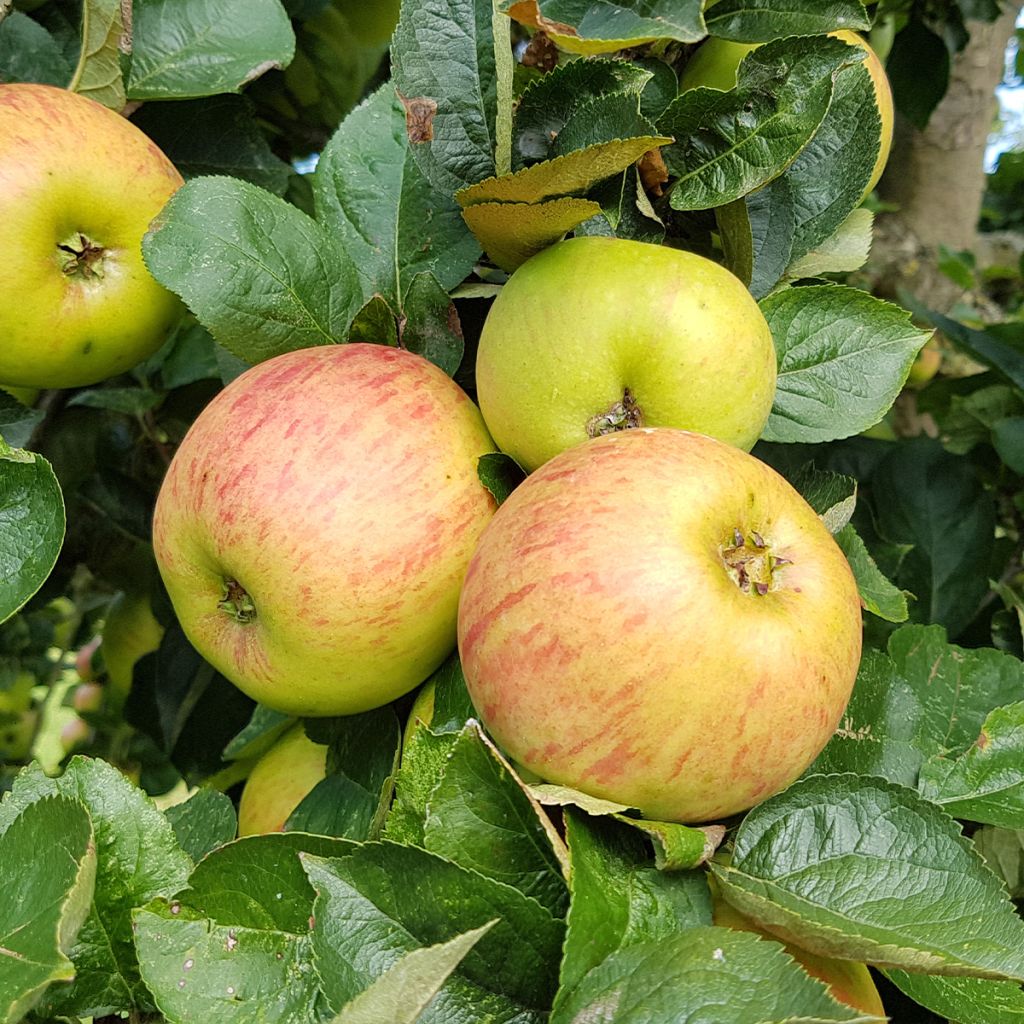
<point x="750" y="562"/>
<point x="237" y="602"/>
<point x="80" y="256"/>
<point x="623" y="415"/>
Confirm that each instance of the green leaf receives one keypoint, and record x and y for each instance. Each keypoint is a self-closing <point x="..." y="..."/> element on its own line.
<point x="935" y="502"/>
<point x="730" y="143"/>
<point x="500" y="474"/>
<point x="1003" y="851"/>
<point x="183" y="49"/>
<point x="370" y="192"/>
<point x="31" y="526"/>
<point x="383" y="901"/>
<point x="430" y="324"/>
<point x="28" y="53"/>
<point x="757" y="236"/>
<point x="49" y="857"/>
<point x="98" y="74"/>
<point x="480" y="816"/>
<point x="1008" y="441"/>
<point x="832" y="495"/>
<point x="828" y="179"/>
<point x="452" y="705"/>
<point x="619" y="898"/>
<point x="568" y="173"/>
<point x="401" y="994"/>
<point x="443" y="66"/>
<point x="362" y="759"/>
<point x="203" y="822"/>
<point x="963" y="999"/>
<point x="242" y="951"/>
<point x="843" y="358"/>
<point x="626" y="210"/>
<point x="844" y="251"/>
<point x="562" y="796"/>
<point x="601" y="26"/>
<point x="677" y="847"/>
<point x="695" y="975"/>
<point x="17" y="422"/>
<point x="423" y="762"/>
<point x="550" y="102"/>
<point x="880" y="729"/>
<point x="259" y="274"/>
<point x="760" y="21"/>
<point x="139" y="859"/>
<point x="985" y="784"/>
<point x="131" y="401"/>
<point x="984" y="346"/>
<point x="202" y="970"/>
<point x="918" y="70"/>
<point x="878" y="593"/>
<point x="216" y="135"/>
<point x="511" y="233"/>
<point x="865" y="870"/>
<point x="259" y="735"/>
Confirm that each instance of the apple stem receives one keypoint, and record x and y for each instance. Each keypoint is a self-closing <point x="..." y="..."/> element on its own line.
<point x="750" y="563"/>
<point x="237" y="602"/>
<point x="623" y="415"/>
<point x="81" y="256"/>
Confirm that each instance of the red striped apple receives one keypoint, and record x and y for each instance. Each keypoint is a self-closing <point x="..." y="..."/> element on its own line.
<point x="78" y="187"/>
<point x="315" y="525"/>
<point x="659" y="619"/>
<point x="597" y="335"/>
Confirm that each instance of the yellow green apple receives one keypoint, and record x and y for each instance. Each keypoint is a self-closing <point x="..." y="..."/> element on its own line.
<point x="596" y="335"/>
<point x="659" y="619"/>
<point x="130" y="630"/>
<point x="925" y="366"/>
<point x="315" y="525"/>
<point x="79" y="185"/>
<point x="715" y="62"/>
<point x="27" y="396"/>
<point x="849" y="981"/>
<point x="279" y="782"/>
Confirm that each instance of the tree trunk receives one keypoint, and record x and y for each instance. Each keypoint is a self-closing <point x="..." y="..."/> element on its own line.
<point x="937" y="175"/>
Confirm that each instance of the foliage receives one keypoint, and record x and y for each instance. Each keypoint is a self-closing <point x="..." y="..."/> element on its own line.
<point x="434" y="883"/>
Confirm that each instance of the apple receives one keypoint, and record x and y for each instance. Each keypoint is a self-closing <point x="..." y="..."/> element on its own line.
<point x="78" y="187"/>
<point x="315" y="525"/>
<point x="659" y="619"/>
<point x="130" y="630"/>
<point x="75" y="733"/>
<point x="372" y="24"/>
<point x="84" y="665"/>
<point x="716" y="60"/>
<point x="596" y="335"/>
<point x="927" y="363"/>
<point x="279" y="781"/>
<point x="849" y="981"/>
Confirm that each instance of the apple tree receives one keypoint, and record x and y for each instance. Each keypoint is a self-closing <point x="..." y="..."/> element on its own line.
<point x="376" y="174"/>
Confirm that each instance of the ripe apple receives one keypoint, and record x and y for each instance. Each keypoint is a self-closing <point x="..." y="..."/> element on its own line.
<point x="315" y="525"/>
<point x="279" y="781"/>
<point x="130" y="630"/>
<point x="848" y="981"/>
<point x="925" y="366"/>
<point x="715" y="62"/>
<point x="596" y="335"/>
<point x="659" y="619"/>
<point x="88" y="697"/>
<point x="78" y="187"/>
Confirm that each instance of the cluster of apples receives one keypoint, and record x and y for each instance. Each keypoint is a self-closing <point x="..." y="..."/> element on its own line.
<point x="653" y="617"/>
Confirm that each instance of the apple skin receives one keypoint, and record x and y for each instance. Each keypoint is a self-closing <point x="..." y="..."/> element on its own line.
<point x="129" y="632"/>
<point x="608" y="646"/>
<point x="585" y="320"/>
<point x="849" y="981"/>
<point x="715" y="62"/>
<point x="279" y="782"/>
<point x="329" y="496"/>
<point x="70" y="169"/>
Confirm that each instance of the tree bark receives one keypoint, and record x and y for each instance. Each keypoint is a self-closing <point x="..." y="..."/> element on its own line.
<point x="937" y="175"/>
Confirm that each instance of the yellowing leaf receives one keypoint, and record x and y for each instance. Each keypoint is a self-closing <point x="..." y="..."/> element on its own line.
<point x="511" y="233"/>
<point x="564" y="175"/>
